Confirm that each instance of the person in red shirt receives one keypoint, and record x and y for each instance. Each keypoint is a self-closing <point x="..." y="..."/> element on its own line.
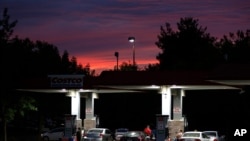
<point x="148" y="131"/>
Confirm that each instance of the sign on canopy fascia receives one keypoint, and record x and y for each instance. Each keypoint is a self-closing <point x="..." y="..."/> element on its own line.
<point x="66" y="81"/>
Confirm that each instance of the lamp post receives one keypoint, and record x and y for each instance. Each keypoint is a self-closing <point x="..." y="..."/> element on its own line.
<point x="132" y="40"/>
<point x="117" y="55"/>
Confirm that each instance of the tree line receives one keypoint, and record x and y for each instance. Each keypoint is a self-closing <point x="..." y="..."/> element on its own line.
<point x="191" y="47"/>
<point x="26" y="58"/>
<point x="23" y="58"/>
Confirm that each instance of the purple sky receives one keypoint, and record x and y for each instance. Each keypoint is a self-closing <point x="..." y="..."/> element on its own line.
<point x="92" y="30"/>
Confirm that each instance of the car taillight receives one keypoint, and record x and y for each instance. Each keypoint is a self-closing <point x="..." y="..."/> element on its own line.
<point x="215" y="140"/>
<point x="101" y="134"/>
<point x="197" y="140"/>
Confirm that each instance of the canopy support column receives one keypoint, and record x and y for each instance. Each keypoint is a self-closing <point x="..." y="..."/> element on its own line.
<point x="90" y="119"/>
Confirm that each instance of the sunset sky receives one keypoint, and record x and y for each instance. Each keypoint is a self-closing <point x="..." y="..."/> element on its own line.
<point x="93" y="30"/>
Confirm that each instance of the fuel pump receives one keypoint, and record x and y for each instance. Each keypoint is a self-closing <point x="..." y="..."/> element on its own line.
<point x="161" y="130"/>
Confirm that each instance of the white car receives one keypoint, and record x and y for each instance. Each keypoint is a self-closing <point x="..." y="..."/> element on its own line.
<point x="120" y="132"/>
<point x="194" y="136"/>
<point x="53" y="134"/>
<point x="214" y="136"/>
<point x="98" y="134"/>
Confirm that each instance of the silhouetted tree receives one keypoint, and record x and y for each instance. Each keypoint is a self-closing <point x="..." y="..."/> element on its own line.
<point x="6" y="27"/>
<point x="10" y="104"/>
<point x="236" y="47"/>
<point x="32" y="59"/>
<point x="128" y="67"/>
<point x="48" y="58"/>
<point x="87" y="70"/>
<point x="188" y="48"/>
<point x="22" y="58"/>
<point x="152" y="67"/>
<point x="72" y="67"/>
<point x="65" y="62"/>
<point x="73" y="64"/>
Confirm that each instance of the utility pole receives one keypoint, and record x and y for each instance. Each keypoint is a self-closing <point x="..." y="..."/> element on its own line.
<point x="131" y="39"/>
<point x="117" y="56"/>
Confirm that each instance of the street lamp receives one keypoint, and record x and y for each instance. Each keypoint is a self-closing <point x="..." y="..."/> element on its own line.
<point x="116" y="55"/>
<point x="132" y="40"/>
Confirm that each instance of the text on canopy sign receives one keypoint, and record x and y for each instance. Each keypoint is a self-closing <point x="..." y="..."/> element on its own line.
<point x="66" y="81"/>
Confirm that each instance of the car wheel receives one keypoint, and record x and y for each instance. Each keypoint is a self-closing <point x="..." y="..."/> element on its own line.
<point x="45" y="138"/>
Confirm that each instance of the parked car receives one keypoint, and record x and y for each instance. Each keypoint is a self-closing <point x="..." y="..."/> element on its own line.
<point x="98" y="134"/>
<point x="194" y="136"/>
<point x="214" y="136"/>
<point x="53" y="134"/>
<point x="133" y="136"/>
<point x="120" y="132"/>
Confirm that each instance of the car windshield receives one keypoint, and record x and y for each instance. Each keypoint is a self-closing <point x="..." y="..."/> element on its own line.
<point x="191" y="135"/>
<point x="95" y="131"/>
<point x="210" y="134"/>
<point x="122" y="130"/>
<point x="132" y="134"/>
<point x="57" y="130"/>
